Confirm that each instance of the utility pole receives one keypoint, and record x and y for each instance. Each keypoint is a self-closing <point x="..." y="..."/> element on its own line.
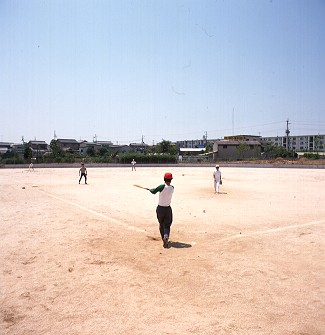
<point x="232" y="121"/>
<point x="205" y="137"/>
<point x="287" y="133"/>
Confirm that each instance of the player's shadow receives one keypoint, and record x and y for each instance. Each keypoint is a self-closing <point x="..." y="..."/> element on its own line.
<point x="171" y="244"/>
<point x="179" y="245"/>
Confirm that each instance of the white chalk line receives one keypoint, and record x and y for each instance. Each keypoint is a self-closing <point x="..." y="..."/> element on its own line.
<point x="99" y="214"/>
<point x="94" y="212"/>
<point x="268" y="231"/>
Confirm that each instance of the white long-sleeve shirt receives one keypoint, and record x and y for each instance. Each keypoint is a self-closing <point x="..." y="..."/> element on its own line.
<point x="165" y="195"/>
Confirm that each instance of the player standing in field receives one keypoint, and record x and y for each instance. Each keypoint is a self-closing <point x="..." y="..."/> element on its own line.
<point x="164" y="211"/>
<point x="31" y="167"/>
<point x="83" y="173"/>
<point x="217" y="179"/>
<point x="133" y="164"/>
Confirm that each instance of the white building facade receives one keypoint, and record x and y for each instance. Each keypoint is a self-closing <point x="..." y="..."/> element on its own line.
<point x="298" y="143"/>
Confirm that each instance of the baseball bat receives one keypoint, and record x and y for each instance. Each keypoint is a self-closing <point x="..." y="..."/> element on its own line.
<point x="136" y="185"/>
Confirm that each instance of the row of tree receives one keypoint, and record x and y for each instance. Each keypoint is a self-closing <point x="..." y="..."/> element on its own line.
<point x="163" y="152"/>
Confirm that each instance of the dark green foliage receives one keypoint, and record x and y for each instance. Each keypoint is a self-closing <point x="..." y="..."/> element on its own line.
<point x="209" y="147"/>
<point x="241" y="149"/>
<point x="126" y="158"/>
<point x="56" y="150"/>
<point x="311" y="155"/>
<point x="103" y="151"/>
<point x="11" y="157"/>
<point x="166" y="147"/>
<point x="162" y="153"/>
<point x="27" y="152"/>
<point x="271" y="151"/>
<point x="91" y="152"/>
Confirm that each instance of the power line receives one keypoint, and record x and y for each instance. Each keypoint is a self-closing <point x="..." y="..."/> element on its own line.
<point x="316" y="124"/>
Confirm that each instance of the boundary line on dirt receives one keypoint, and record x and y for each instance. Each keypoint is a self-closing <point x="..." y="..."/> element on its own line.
<point x="94" y="212"/>
<point x="268" y="231"/>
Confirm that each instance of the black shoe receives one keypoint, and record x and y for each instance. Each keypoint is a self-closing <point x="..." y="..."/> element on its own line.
<point x="165" y="240"/>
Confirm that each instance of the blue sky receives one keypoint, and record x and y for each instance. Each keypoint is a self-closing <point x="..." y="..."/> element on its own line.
<point x="172" y="69"/>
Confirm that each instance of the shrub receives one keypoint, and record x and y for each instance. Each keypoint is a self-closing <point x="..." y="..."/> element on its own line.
<point x="311" y="155"/>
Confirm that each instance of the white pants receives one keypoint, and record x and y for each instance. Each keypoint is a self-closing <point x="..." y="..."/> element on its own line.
<point x="216" y="186"/>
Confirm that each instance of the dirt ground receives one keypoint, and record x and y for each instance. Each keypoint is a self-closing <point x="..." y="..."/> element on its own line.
<point x="87" y="259"/>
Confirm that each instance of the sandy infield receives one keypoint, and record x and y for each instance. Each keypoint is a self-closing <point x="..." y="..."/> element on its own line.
<point x="88" y="259"/>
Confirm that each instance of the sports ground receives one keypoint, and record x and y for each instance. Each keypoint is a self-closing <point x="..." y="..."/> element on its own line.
<point x="87" y="259"/>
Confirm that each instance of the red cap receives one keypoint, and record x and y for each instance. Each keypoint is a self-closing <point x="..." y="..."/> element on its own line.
<point x="168" y="175"/>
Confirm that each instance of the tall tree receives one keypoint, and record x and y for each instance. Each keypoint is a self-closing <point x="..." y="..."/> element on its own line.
<point x="56" y="149"/>
<point x="166" y="147"/>
<point x="28" y="153"/>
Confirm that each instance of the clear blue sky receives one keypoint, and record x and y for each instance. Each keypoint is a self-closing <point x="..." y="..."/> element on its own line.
<point x="162" y="69"/>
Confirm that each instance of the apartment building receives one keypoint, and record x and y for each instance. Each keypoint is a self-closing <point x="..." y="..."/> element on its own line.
<point x="298" y="143"/>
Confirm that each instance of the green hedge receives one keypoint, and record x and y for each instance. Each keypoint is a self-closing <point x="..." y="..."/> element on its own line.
<point x="311" y="155"/>
<point x="12" y="160"/>
<point x="123" y="158"/>
<point x="147" y="159"/>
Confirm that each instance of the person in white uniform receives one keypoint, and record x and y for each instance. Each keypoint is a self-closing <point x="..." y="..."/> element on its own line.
<point x="133" y="164"/>
<point x="217" y="179"/>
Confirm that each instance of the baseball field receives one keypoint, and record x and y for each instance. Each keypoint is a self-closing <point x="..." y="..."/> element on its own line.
<point x="88" y="259"/>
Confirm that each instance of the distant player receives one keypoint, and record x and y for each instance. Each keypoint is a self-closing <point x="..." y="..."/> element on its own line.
<point x="31" y="167"/>
<point x="83" y="173"/>
<point x="217" y="179"/>
<point x="133" y="164"/>
<point x="164" y="211"/>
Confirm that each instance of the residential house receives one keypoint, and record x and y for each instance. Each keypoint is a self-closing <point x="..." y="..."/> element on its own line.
<point x="69" y="145"/>
<point x="5" y="147"/>
<point x="38" y="147"/>
<point x="114" y="148"/>
<point x="19" y="148"/>
<point x="139" y="147"/>
<point x="85" y="145"/>
<point x="106" y="144"/>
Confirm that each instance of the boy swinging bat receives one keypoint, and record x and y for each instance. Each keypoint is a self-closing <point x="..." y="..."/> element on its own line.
<point x="164" y="211"/>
